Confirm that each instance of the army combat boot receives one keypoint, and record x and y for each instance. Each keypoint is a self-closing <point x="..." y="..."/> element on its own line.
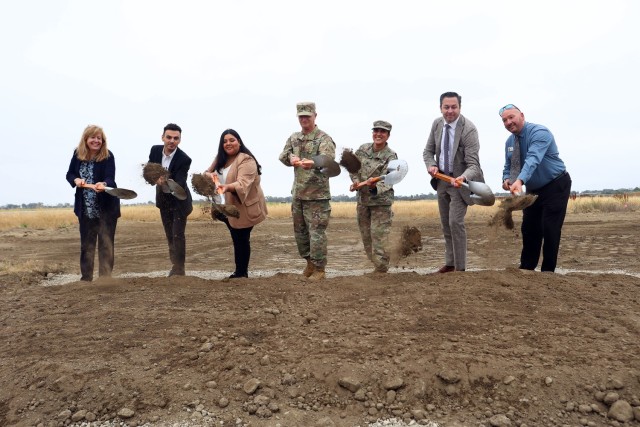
<point x="308" y="270"/>
<point x="318" y="274"/>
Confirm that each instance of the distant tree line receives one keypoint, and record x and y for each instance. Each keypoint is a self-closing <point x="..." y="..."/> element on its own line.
<point x="340" y="198"/>
<point x="346" y="198"/>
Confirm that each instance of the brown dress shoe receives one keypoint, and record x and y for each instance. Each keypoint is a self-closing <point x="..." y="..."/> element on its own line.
<point x="446" y="269"/>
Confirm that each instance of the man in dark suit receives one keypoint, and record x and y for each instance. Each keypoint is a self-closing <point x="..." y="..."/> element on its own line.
<point x="453" y="149"/>
<point x="173" y="211"/>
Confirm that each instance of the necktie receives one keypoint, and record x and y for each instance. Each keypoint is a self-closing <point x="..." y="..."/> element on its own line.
<point x="515" y="160"/>
<point x="446" y="149"/>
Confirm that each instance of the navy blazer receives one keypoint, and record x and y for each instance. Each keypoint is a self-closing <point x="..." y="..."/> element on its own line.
<point x="103" y="171"/>
<point x="178" y="171"/>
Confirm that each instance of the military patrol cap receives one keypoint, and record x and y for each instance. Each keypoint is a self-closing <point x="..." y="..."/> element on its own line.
<point x="381" y="124"/>
<point x="306" y="108"/>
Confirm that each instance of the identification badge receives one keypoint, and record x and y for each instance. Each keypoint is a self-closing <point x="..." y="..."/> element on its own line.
<point x="509" y="149"/>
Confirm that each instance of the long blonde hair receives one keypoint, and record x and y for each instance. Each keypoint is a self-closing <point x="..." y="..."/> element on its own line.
<point x="82" y="152"/>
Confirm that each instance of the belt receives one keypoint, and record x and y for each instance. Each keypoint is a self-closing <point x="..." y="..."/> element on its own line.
<point x="562" y="174"/>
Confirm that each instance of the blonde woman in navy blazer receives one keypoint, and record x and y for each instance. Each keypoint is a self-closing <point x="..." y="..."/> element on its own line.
<point x="97" y="211"/>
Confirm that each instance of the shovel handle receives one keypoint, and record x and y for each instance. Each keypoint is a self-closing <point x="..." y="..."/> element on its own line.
<point x="447" y="178"/>
<point x="363" y="183"/>
<point x="304" y="162"/>
<point x="216" y="181"/>
<point x="92" y="186"/>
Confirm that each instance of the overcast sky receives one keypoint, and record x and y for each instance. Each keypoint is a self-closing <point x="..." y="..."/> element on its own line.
<point x="134" y="66"/>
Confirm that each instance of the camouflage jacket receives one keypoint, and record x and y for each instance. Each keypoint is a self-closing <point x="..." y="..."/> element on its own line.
<point x="373" y="164"/>
<point x="309" y="184"/>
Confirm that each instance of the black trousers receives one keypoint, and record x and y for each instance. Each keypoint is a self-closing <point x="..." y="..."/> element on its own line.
<point x="241" y="248"/>
<point x="102" y="230"/>
<point x="174" y="224"/>
<point x="542" y="224"/>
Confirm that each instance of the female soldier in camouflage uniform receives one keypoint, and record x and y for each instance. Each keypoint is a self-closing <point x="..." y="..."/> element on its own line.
<point x="375" y="199"/>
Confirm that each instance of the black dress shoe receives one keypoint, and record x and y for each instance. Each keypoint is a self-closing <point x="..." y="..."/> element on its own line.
<point x="238" y="276"/>
<point x="176" y="272"/>
<point x="446" y="269"/>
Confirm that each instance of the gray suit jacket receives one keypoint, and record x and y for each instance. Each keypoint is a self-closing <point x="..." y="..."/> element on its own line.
<point x="466" y="147"/>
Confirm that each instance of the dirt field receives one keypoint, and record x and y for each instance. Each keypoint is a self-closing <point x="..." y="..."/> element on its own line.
<point x="492" y="346"/>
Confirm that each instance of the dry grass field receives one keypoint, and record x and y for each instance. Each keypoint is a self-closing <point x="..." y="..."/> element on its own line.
<point x="47" y="218"/>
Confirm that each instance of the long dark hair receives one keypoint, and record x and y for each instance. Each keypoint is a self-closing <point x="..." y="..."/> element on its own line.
<point x="221" y="157"/>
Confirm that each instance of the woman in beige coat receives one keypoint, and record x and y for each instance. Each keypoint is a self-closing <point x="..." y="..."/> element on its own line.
<point x="239" y="175"/>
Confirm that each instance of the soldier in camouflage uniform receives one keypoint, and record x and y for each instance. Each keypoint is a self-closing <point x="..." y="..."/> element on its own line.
<point x="375" y="199"/>
<point x="310" y="206"/>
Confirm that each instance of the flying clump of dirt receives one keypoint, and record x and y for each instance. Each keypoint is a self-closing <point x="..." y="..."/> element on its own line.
<point x="203" y="185"/>
<point x="410" y="242"/>
<point x="206" y="187"/>
<point x="349" y="160"/>
<point x="152" y="172"/>
<point x="504" y="216"/>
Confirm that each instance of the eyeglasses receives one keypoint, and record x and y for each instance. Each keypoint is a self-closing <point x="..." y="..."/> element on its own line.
<point x="507" y="107"/>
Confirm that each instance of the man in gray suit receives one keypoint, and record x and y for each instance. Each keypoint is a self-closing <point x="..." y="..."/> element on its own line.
<point x="452" y="149"/>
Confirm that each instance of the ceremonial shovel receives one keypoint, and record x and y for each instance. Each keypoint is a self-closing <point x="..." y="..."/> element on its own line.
<point x="481" y="192"/>
<point x="323" y="163"/>
<point x="229" y="210"/>
<point x="175" y="190"/>
<point x="327" y="165"/>
<point x="120" y="193"/>
<point x="396" y="171"/>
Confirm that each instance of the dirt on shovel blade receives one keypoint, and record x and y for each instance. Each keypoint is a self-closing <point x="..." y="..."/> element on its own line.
<point x="228" y="210"/>
<point x="205" y="187"/>
<point x="202" y="185"/>
<point x="349" y="160"/>
<point x="152" y="172"/>
<point x="504" y="216"/>
<point x="216" y="210"/>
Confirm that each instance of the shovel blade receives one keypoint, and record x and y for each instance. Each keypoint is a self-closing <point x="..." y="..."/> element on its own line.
<point x="483" y="200"/>
<point x="401" y="167"/>
<point x="392" y="178"/>
<point x="177" y="191"/>
<point x="326" y="165"/>
<point x="396" y="171"/>
<point x="480" y="188"/>
<point x="121" y="193"/>
<point x="481" y="193"/>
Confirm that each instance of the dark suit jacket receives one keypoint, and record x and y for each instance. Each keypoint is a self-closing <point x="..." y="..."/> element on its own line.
<point x="104" y="171"/>
<point x="178" y="171"/>
<point x="466" y="147"/>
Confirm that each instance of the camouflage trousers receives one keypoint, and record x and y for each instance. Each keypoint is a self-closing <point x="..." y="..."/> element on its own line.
<point x="375" y="224"/>
<point x="310" y="221"/>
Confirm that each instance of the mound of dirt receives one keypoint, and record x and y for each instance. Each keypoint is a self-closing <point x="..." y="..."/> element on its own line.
<point x="492" y="347"/>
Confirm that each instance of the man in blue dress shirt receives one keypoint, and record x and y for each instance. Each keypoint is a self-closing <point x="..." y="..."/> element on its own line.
<point x="532" y="160"/>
